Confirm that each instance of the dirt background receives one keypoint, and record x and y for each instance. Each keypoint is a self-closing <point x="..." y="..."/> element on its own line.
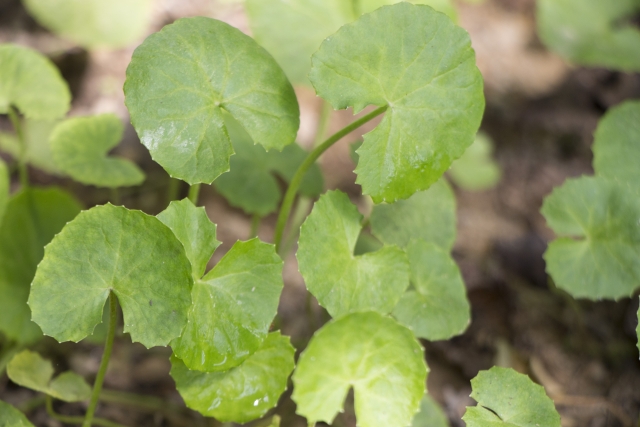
<point x="541" y="114"/>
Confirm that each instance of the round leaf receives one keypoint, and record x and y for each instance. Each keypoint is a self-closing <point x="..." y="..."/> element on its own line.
<point x="344" y="283"/>
<point x="180" y="80"/>
<point x="4" y="188"/>
<point x="80" y="147"/>
<point x="430" y="414"/>
<point x="243" y="393"/>
<point x="29" y="81"/>
<point x="38" y="150"/>
<point x="599" y="248"/>
<point x="112" y="249"/>
<point x="418" y="63"/>
<point x="374" y="355"/>
<point x="31" y="220"/>
<point x="233" y="307"/>
<point x="476" y="170"/>
<point x="11" y="417"/>
<point x="509" y="399"/>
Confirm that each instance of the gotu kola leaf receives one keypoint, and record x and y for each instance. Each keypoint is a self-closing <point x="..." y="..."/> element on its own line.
<point x="376" y="356"/>
<point x="181" y="79"/>
<point x="80" y="146"/>
<point x="11" y="417"/>
<point x="30" y="82"/>
<point x="509" y="399"/>
<point x="31" y="219"/>
<point x="344" y="283"/>
<point x="112" y="249"/>
<point x="420" y="65"/>
<point x="430" y="414"/>
<point x="476" y="170"/>
<point x="36" y="138"/>
<point x="243" y="393"/>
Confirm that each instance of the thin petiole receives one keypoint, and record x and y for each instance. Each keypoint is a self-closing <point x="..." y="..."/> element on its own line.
<point x="22" y="157"/>
<point x="194" y="192"/>
<point x="255" y="225"/>
<point x="76" y="420"/>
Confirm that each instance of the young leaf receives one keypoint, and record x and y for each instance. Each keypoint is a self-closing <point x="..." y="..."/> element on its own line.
<point x="427" y="215"/>
<point x="30" y="370"/>
<point x="616" y="147"/>
<point x="476" y="170"/>
<point x="344" y="283"/>
<point x="194" y="229"/>
<point x="437" y="308"/>
<point x="93" y="23"/>
<point x="80" y="146"/>
<point x="180" y="80"/>
<point x="4" y="188"/>
<point x="421" y="65"/>
<point x="11" y="417"/>
<point x="507" y="398"/>
<point x="243" y="393"/>
<point x="112" y="249"/>
<point x="29" y="81"/>
<point x="597" y="253"/>
<point x="38" y="150"/>
<point x="374" y="355"/>
<point x="430" y="414"/>
<point x="31" y="220"/>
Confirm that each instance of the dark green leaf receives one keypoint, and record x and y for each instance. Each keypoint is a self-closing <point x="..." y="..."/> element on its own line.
<point x="11" y="417"/>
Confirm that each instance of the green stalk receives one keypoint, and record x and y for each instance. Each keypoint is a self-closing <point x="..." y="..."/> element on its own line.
<point x="22" y="158"/>
<point x="173" y="190"/>
<point x="287" y="203"/>
<point x="108" y="346"/>
<point x="76" y="420"/>
<point x="255" y="224"/>
<point x="323" y="122"/>
<point x="194" y="192"/>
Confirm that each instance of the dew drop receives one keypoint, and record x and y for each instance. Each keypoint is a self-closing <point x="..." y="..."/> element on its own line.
<point x="255" y="403"/>
<point x="253" y="289"/>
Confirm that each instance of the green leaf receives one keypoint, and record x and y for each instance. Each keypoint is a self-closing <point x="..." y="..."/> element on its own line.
<point x="243" y="393"/>
<point x="112" y="249"/>
<point x="437" y="308"/>
<point x="30" y="370"/>
<point x="80" y="146"/>
<point x="233" y="307"/>
<point x="344" y="283"/>
<point x="430" y="414"/>
<point x="32" y="218"/>
<point x="30" y="82"/>
<point x="597" y="253"/>
<point x="476" y="170"/>
<point x="181" y="79"/>
<point x="592" y="32"/>
<point x="427" y="215"/>
<point x="94" y="23"/>
<point x="194" y="229"/>
<point x="418" y="63"/>
<point x="507" y="398"/>
<point x="616" y="146"/>
<point x="38" y="152"/>
<point x="11" y="417"/>
<point x="4" y="188"/>
<point x="374" y="355"/>
<point x="292" y="30"/>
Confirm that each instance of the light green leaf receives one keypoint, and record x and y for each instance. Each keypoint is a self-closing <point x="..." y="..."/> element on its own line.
<point x="437" y="308"/>
<point x="374" y="355"/>
<point x="344" y="283"/>
<point x="430" y="414"/>
<point x="112" y="249"/>
<point x="476" y="170"/>
<point x="30" y="82"/>
<point x="80" y="147"/>
<point x="30" y="370"/>
<point x="418" y="63"/>
<point x="36" y="135"/>
<point x="11" y="417"/>
<point x="616" y="146"/>
<point x="292" y="30"/>
<point x="243" y="393"/>
<point x="94" y="23"/>
<point x="32" y="218"/>
<point x="233" y="307"/>
<point x="180" y="80"/>
<point x="427" y="215"/>
<point x="597" y="253"/>
<point x="4" y="188"/>
<point x="507" y="398"/>
<point x="194" y="229"/>
<point x="592" y="32"/>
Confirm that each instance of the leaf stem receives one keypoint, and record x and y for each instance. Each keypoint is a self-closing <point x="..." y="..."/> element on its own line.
<point x="323" y="122"/>
<point x="115" y="196"/>
<point x="76" y="420"/>
<point x="255" y="224"/>
<point x="287" y="203"/>
<point x="194" y="192"/>
<point x="108" y="346"/>
<point x="22" y="157"/>
<point x="173" y="190"/>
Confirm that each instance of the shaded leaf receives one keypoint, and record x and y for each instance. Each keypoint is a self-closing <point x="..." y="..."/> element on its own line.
<point x="430" y="414"/>
<point x="11" y="417"/>
<point x="374" y="355"/>
<point x="38" y="152"/>
<point x="476" y="170"/>
<point x="4" y="188"/>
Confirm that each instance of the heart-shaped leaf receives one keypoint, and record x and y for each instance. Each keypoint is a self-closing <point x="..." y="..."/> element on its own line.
<point x="4" y="188"/>
<point x="430" y="414"/>
<point x="420" y="65"/>
<point x="112" y="249"/>
<point x="11" y="417"/>
<point x="243" y="393"/>
<point x="233" y="307"/>
<point x="32" y="83"/>
<point x="36" y="139"/>
<point x="380" y="359"/>
<point x="80" y="147"/>
<point x="476" y="170"/>
<point x="344" y="283"/>
<point x="32" y="218"/>
<point x="509" y="399"/>
<point x="181" y="79"/>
